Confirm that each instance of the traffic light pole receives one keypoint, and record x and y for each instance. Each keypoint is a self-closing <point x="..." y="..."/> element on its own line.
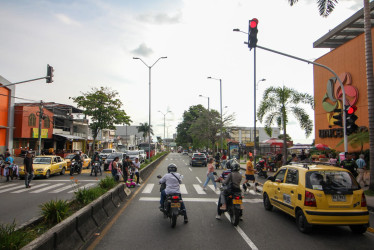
<point x="40" y="78"/>
<point x="337" y="77"/>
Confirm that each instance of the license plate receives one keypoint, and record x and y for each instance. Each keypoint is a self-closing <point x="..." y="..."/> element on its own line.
<point x="338" y="197"/>
<point x="175" y="205"/>
<point x="237" y="202"/>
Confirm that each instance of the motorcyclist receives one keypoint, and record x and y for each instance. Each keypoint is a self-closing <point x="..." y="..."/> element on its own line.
<point x="96" y="158"/>
<point x="172" y="180"/>
<point x="78" y="158"/>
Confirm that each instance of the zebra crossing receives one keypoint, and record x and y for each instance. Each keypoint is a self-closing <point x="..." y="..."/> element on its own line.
<point x="37" y="188"/>
<point x="195" y="189"/>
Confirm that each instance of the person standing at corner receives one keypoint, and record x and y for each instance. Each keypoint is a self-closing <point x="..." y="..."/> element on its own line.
<point x="137" y="168"/>
<point x="115" y="169"/>
<point x="126" y="165"/>
<point x="210" y="175"/>
<point x="29" y="170"/>
<point x="249" y="174"/>
<point x="361" y="167"/>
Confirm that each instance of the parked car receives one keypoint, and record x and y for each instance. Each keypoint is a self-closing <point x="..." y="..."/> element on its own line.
<point x="317" y="195"/>
<point x="185" y="152"/>
<point x="111" y="158"/>
<point x="142" y="155"/>
<point x="86" y="160"/>
<point x="133" y="154"/>
<point x="106" y="152"/>
<point x="46" y="166"/>
<point x="198" y="159"/>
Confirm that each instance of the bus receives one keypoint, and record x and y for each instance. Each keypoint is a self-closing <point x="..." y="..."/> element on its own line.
<point x="145" y="146"/>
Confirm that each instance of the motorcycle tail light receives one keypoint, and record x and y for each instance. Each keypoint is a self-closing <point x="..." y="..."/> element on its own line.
<point x="230" y="196"/>
<point x="237" y="198"/>
<point x="175" y="197"/>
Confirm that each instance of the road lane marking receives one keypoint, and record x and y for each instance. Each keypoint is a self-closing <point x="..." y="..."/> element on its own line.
<point x="190" y="169"/>
<point x="183" y="189"/>
<point x="12" y="188"/>
<point x="46" y="188"/>
<point x="213" y="188"/>
<point x="198" y="180"/>
<point x="32" y="188"/>
<point x="61" y="189"/>
<point x="198" y="188"/>
<point x="85" y="186"/>
<point x="8" y="185"/>
<point x="72" y="181"/>
<point x="148" y="189"/>
<point x="199" y="199"/>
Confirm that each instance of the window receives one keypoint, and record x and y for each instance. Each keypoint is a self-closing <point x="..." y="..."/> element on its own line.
<point x="292" y="176"/>
<point x="46" y="122"/>
<point x="32" y="120"/>
<point x="280" y="175"/>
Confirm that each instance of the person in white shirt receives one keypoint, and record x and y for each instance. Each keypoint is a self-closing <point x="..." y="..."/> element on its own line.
<point x="137" y="168"/>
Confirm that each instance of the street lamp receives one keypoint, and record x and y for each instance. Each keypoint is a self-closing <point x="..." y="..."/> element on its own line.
<point x="164" y="119"/>
<point x="255" y="116"/>
<point x="205" y="97"/>
<point x="149" y="70"/>
<point x="220" y="90"/>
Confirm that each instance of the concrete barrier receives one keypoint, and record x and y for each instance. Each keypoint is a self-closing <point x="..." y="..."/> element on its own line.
<point x="86" y="225"/>
<point x="67" y="237"/>
<point x="108" y="205"/>
<point x="122" y="194"/>
<point x="115" y="197"/>
<point x="97" y="212"/>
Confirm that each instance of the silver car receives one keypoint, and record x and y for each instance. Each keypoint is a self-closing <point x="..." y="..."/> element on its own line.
<point x="133" y="154"/>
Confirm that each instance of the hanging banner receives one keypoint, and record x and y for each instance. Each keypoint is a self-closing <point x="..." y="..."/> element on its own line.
<point x="35" y="133"/>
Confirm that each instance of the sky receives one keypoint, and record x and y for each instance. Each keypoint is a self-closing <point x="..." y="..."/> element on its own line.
<point x="91" y="43"/>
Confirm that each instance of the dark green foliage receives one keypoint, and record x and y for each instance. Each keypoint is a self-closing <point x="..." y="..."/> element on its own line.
<point x="85" y="196"/>
<point x="55" y="211"/>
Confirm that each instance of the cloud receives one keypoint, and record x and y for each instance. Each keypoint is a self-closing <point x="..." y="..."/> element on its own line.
<point x="160" y="18"/>
<point x="66" y="20"/>
<point x="143" y="50"/>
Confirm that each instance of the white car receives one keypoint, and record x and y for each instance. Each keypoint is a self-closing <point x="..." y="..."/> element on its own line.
<point x="132" y="154"/>
<point x="106" y="152"/>
<point x="142" y="155"/>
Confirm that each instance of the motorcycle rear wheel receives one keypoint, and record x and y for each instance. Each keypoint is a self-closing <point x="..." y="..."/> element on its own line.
<point x="235" y="216"/>
<point x="173" y="220"/>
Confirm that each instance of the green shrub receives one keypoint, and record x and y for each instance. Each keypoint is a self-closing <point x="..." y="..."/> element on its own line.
<point x="85" y="196"/>
<point x="56" y="211"/>
<point x="11" y="239"/>
<point x="107" y="183"/>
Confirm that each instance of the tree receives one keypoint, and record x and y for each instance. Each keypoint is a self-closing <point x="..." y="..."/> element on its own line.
<point x="278" y="103"/>
<point x="103" y="107"/>
<point x="327" y="6"/>
<point x="357" y="140"/>
<point x="288" y="137"/>
<point x="144" y="128"/>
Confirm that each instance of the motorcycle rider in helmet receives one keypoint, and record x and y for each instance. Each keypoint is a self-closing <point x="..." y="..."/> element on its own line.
<point x="172" y="180"/>
<point x="231" y="175"/>
<point x="96" y="158"/>
<point x="78" y="158"/>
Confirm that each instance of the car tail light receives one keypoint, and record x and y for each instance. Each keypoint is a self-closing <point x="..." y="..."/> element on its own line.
<point x="310" y="200"/>
<point x="363" y="200"/>
<point x="175" y="197"/>
<point x="193" y="158"/>
<point x="237" y="197"/>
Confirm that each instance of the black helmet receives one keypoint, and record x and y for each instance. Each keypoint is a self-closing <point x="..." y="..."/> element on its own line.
<point x="231" y="163"/>
<point x="235" y="166"/>
<point x="172" y="168"/>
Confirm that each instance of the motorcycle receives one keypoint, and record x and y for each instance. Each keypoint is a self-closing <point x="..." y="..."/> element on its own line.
<point x="234" y="203"/>
<point x="260" y="169"/>
<point x="172" y="207"/>
<point x="75" y="167"/>
<point x="96" y="166"/>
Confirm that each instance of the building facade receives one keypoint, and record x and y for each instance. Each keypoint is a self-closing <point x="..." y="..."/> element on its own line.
<point x="246" y="135"/>
<point x="6" y="115"/>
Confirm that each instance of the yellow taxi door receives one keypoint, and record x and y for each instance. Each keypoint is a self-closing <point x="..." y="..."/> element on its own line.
<point x="54" y="165"/>
<point x="277" y="186"/>
<point x="289" y="191"/>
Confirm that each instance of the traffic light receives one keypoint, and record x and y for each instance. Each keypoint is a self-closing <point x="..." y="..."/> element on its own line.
<point x="50" y="70"/>
<point x="338" y="117"/>
<point x="351" y="119"/>
<point x="252" y="33"/>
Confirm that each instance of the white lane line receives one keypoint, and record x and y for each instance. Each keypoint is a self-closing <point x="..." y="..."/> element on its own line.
<point x="148" y="189"/>
<point x="8" y="185"/>
<point x="199" y="189"/>
<point x="27" y="189"/>
<point x="85" y="186"/>
<point x="198" y="180"/>
<point x="212" y="187"/>
<point x="47" y="188"/>
<point x="183" y="189"/>
<point x="252" y="200"/>
<point x="244" y="236"/>
<point x="12" y="188"/>
<point x="72" y="181"/>
<point x="61" y="189"/>
<point x="190" y="169"/>
<point x="199" y="199"/>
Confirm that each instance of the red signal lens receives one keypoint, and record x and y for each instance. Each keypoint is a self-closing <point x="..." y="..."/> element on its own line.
<point x="253" y="23"/>
<point x="351" y="110"/>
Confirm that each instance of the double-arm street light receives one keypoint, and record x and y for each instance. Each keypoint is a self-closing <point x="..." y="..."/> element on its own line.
<point x="149" y="70"/>
<point x="205" y="97"/>
<point x="220" y="90"/>
<point x="164" y="120"/>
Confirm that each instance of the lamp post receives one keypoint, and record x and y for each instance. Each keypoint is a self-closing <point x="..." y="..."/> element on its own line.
<point x="255" y="116"/>
<point x="164" y="119"/>
<point x="205" y="97"/>
<point x="220" y="91"/>
<point x="149" y="70"/>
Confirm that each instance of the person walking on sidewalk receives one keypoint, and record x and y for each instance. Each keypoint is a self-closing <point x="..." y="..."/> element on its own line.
<point x="249" y="174"/>
<point x="361" y="167"/>
<point x="137" y="168"/>
<point x="29" y="170"/>
<point x="210" y="175"/>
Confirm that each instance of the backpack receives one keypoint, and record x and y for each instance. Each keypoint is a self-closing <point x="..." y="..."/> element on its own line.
<point x="110" y="166"/>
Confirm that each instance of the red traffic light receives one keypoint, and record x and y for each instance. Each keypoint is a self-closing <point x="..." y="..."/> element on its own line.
<point x="351" y="110"/>
<point x="253" y="23"/>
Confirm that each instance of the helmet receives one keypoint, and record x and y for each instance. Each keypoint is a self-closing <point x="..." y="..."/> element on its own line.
<point x="235" y="166"/>
<point x="231" y="163"/>
<point x="172" y="168"/>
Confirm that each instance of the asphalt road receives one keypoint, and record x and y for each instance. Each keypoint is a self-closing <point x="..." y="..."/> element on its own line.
<point x="142" y="226"/>
<point x="21" y="204"/>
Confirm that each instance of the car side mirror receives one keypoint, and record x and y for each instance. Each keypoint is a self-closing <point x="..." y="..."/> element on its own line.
<point x="159" y="176"/>
<point x="278" y="180"/>
<point x="271" y="178"/>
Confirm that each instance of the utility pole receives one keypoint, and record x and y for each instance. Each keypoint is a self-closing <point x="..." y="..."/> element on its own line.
<point x="41" y="117"/>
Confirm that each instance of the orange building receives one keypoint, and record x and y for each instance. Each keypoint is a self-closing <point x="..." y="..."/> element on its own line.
<point x="6" y="115"/>
<point x="347" y="59"/>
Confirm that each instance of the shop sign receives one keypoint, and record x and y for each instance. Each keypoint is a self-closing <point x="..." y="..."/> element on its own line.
<point x="35" y="133"/>
<point x="336" y="132"/>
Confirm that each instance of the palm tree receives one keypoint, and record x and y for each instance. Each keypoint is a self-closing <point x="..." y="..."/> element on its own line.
<point x="144" y="128"/>
<point x="325" y="8"/>
<point x="278" y="103"/>
<point x="357" y="140"/>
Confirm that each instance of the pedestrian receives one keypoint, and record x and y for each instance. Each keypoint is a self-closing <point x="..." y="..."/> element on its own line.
<point x="223" y="160"/>
<point x="210" y="175"/>
<point x="249" y="174"/>
<point x="349" y="164"/>
<point x="8" y="166"/>
<point x="29" y="170"/>
<point x="126" y="165"/>
<point x="361" y="167"/>
<point x="115" y="169"/>
<point x="217" y="158"/>
<point x="137" y="168"/>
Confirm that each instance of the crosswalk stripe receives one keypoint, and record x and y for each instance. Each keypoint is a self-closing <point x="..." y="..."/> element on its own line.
<point x="85" y="186"/>
<point x="199" y="189"/>
<point x="26" y="189"/>
<point x="213" y="188"/>
<point x="198" y="180"/>
<point x="46" y="188"/>
<point x="12" y="188"/>
<point x="183" y="189"/>
<point x="148" y="189"/>
<point x="61" y="189"/>
<point x="7" y="185"/>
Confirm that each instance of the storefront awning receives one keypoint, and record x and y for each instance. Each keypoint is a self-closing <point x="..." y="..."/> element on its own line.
<point x="71" y="137"/>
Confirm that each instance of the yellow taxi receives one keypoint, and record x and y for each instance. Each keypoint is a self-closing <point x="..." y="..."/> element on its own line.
<point x="86" y="160"/>
<point x="46" y="165"/>
<point x="317" y="195"/>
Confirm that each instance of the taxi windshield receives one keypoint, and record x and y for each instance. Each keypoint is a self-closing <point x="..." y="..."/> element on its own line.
<point x="331" y="180"/>
<point x="42" y="160"/>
